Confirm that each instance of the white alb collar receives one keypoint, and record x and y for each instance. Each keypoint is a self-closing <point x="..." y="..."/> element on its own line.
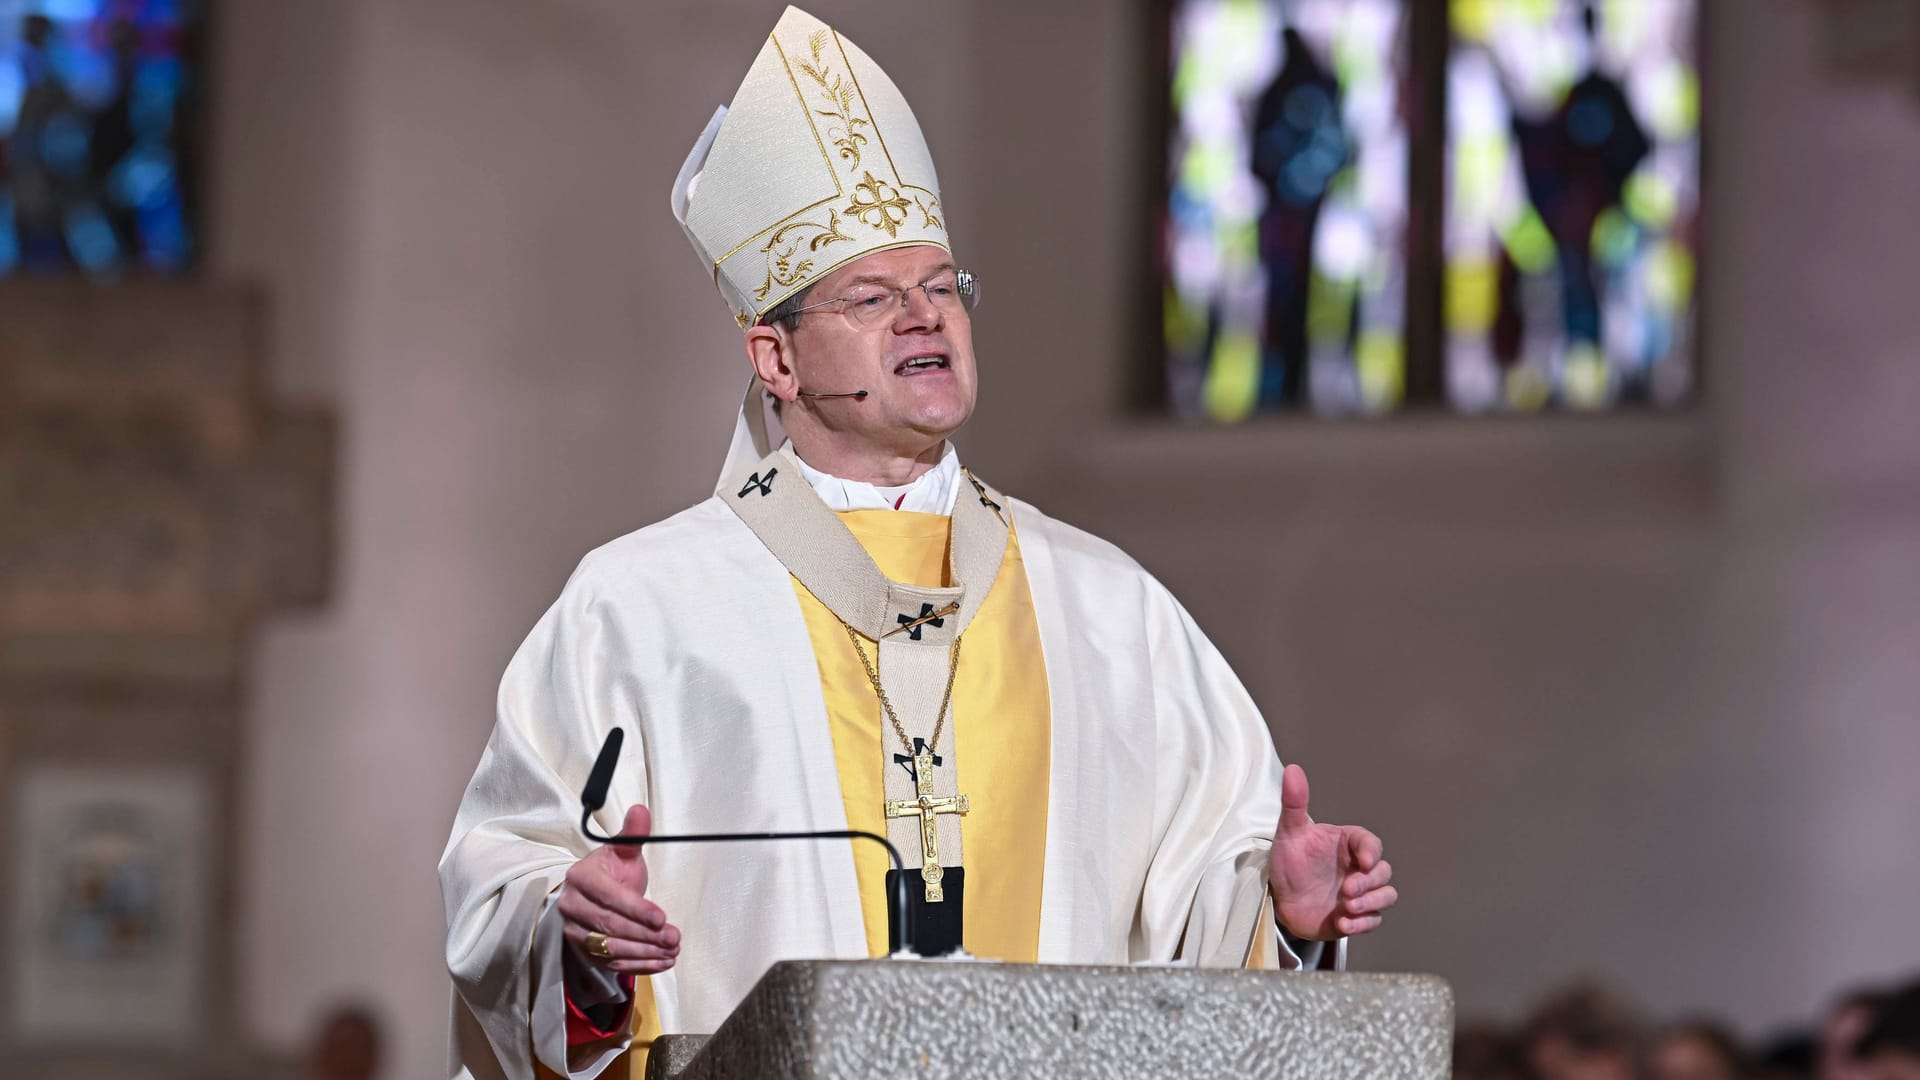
<point x="933" y="493"/>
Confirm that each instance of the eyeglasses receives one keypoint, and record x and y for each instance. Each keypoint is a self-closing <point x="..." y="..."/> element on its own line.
<point x="950" y="293"/>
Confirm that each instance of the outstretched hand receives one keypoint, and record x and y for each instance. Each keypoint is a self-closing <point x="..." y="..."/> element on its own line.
<point x="1328" y="881"/>
<point x="606" y="894"/>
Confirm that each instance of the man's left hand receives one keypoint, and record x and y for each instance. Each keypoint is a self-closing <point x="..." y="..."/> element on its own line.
<point x="1328" y="881"/>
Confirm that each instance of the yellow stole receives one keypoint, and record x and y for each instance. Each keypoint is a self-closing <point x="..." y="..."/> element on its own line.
<point x="1002" y="725"/>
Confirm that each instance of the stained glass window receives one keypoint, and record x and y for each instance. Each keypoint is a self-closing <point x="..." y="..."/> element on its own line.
<point x="1538" y="253"/>
<point x="1574" y="194"/>
<point x="1285" y="273"/>
<point x="95" y="135"/>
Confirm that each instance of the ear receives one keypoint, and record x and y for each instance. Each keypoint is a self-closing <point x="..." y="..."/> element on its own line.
<point x="770" y="350"/>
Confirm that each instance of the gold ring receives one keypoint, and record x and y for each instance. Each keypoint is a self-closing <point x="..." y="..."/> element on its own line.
<point x="597" y="944"/>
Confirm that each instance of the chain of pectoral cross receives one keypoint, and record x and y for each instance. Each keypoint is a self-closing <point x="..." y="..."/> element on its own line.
<point x="873" y="676"/>
<point x="924" y="804"/>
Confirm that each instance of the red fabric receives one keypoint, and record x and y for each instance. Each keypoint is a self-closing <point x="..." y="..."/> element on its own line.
<point x="581" y="1030"/>
<point x="898" y="501"/>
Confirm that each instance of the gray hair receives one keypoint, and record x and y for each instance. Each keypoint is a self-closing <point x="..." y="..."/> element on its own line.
<point x="787" y="312"/>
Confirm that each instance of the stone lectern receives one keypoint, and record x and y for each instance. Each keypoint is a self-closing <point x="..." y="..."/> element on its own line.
<point x="851" y="1019"/>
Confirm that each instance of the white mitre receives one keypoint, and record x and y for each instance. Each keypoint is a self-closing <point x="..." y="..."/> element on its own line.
<point x="817" y="162"/>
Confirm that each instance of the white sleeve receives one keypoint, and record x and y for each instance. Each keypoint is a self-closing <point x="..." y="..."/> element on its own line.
<point x="515" y="836"/>
<point x="1217" y="803"/>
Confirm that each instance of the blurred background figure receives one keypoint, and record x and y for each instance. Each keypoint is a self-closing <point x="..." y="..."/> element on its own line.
<point x="1849" y="1019"/>
<point x="346" y="1047"/>
<point x="1792" y="1056"/>
<point x="1591" y="1031"/>
<point x="1890" y="1047"/>
<point x="1586" y="1031"/>
<point x="1486" y="1052"/>
<point x="1695" y="1050"/>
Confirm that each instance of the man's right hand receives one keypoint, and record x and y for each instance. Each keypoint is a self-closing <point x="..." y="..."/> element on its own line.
<point x="607" y="893"/>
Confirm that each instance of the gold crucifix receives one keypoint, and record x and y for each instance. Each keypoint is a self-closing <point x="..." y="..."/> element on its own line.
<point x="928" y="807"/>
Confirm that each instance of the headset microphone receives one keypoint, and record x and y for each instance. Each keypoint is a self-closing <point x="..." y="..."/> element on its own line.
<point x="856" y="395"/>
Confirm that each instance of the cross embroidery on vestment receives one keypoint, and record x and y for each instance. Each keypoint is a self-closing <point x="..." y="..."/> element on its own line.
<point x="919" y="747"/>
<point x="912" y="625"/>
<point x="754" y="482"/>
<point x="982" y="490"/>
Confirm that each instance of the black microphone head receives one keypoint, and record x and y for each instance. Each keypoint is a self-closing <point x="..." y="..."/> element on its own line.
<point x="594" y="795"/>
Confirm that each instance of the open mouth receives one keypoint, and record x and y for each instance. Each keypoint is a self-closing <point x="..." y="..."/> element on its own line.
<point x="916" y="365"/>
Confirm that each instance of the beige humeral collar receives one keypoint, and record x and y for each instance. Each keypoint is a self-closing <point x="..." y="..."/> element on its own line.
<point x="914" y="632"/>
<point x="818" y="161"/>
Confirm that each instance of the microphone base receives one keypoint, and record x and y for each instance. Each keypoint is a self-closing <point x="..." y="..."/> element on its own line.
<point x="936" y="928"/>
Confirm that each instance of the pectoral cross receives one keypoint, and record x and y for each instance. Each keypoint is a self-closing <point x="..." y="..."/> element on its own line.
<point x="928" y="807"/>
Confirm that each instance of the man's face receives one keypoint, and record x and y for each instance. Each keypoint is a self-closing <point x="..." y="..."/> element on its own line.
<point x="909" y="406"/>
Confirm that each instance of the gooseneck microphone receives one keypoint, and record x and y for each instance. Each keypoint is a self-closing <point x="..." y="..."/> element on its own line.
<point x="594" y="795"/>
<point x="856" y="394"/>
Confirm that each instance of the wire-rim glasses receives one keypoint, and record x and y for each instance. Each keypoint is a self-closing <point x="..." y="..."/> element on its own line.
<point x="950" y="292"/>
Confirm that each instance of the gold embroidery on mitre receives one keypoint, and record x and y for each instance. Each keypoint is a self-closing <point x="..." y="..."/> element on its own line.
<point x="839" y="94"/>
<point x="880" y="201"/>
<point x="927" y="209"/>
<point x="783" y="269"/>
<point x="877" y="133"/>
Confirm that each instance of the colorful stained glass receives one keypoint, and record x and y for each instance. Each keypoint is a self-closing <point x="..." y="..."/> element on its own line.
<point x="95" y="103"/>
<point x="1284" y="262"/>
<point x="1572" y="223"/>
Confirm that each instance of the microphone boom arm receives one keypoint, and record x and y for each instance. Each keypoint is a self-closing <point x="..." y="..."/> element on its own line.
<point x="586" y="826"/>
<point x="594" y="795"/>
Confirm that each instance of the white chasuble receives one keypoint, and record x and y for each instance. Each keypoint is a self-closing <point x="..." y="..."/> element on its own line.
<point x="1163" y="789"/>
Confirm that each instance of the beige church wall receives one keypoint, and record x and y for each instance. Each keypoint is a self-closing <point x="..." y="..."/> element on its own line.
<point x="1630" y="697"/>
